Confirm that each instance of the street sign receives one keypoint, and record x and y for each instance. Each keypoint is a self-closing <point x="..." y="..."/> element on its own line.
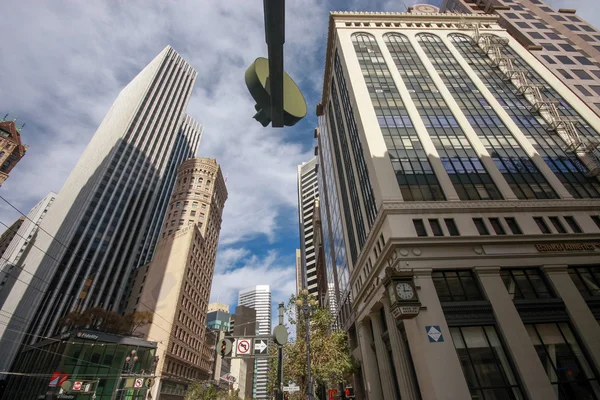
<point x="332" y="393"/>
<point x="291" y="389"/>
<point x="243" y="347"/>
<point x="87" y="387"/>
<point x="77" y="385"/>
<point x="139" y="382"/>
<point x="54" y="380"/>
<point x="63" y="378"/>
<point x="434" y="333"/>
<point x="260" y="346"/>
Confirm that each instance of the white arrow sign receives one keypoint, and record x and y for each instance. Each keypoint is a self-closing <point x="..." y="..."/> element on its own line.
<point x="260" y="346"/>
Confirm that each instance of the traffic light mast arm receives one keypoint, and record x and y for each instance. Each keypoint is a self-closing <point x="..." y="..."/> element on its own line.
<point x="275" y="37"/>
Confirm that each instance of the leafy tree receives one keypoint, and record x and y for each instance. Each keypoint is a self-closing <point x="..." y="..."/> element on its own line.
<point x="331" y="361"/>
<point x="137" y="319"/>
<point x="207" y="391"/>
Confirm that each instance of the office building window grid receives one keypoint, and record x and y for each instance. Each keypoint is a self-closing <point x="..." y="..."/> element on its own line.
<point x="349" y="171"/>
<point x="333" y="237"/>
<point x="456" y="286"/>
<point x="526" y="283"/>
<point x="461" y="162"/>
<point x="359" y="157"/>
<point x="566" y="165"/>
<point x="564" y="360"/>
<point x="413" y="171"/>
<point x="343" y="193"/>
<point x="526" y="181"/>
<point x="487" y="369"/>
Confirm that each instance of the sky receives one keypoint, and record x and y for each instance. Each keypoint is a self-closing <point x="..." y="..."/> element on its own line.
<point x="65" y="62"/>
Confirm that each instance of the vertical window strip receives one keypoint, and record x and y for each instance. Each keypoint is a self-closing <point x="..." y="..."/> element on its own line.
<point x="565" y="165"/>
<point x="340" y="168"/>
<point x="359" y="157"/>
<point x="414" y="173"/>
<point x="461" y="162"/>
<point x="524" y="178"/>
<point x="349" y="171"/>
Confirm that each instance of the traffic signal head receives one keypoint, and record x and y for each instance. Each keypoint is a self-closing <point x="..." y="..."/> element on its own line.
<point x="349" y="392"/>
<point x="225" y="347"/>
<point x="286" y="396"/>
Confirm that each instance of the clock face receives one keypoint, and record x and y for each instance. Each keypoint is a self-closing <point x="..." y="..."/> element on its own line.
<point x="405" y="291"/>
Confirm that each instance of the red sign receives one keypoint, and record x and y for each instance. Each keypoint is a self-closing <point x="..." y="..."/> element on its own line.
<point x="332" y="393"/>
<point x="63" y="378"/>
<point x="54" y="380"/>
<point x="77" y="386"/>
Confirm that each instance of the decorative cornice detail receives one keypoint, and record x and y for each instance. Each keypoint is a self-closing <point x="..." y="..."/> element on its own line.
<point x="433" y="207"/>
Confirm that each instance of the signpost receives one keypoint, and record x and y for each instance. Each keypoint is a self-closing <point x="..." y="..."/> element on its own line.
<point x="243" y="347"/>
<point x="291" y="388"/>
<point x="260" y="346"/>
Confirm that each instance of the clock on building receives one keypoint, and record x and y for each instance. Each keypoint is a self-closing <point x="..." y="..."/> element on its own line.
<point x="402" y="294"/>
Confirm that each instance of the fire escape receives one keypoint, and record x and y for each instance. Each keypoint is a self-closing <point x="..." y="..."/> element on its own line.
<point x="587" y="150"/>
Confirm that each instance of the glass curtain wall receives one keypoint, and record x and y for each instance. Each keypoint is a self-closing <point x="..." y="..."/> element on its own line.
<point x="526" y="181"/>
<point x="467" y="173"/>
<point x="413" y="171"/>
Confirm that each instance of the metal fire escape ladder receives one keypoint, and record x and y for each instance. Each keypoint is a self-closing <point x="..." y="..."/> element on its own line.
<point x="587" y="150"/>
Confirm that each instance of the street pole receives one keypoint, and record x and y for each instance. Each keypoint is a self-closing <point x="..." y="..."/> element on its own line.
<point x="280" y="359"/>
<point x="307" y="325"/>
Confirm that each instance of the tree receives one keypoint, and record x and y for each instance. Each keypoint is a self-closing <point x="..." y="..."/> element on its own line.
<point x="331" y="362"/>
<point x="137" y="319"/>
<point x="207" y="391"/>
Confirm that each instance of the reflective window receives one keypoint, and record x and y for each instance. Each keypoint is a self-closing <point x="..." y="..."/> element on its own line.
<point x="573" y="224"/>
<point x="359" y="157"/>
<point x="481" y="227"/>
<point x="497" y="226"/>
<point x="596" y="219"/>
<point x="564" y="360"/>
<point x="516" y="167"/>
<point x="456" y="286"/>
<point x="557" y="224"/>
<point x="485" y="363"/>
<point x="527" y="283"/>
<point x="420" y="227"/>
<point x="414" y="173"/>
<point x="513" y="226"/>
<point x="587" y="279"/>
<point x="468" y="175"/>
<point x="436" y="228"/>
<point x="451" y="225"/>
<point x="566" y="165"/>
<point x="541" y="223"/>
<point x="346" y="172"/>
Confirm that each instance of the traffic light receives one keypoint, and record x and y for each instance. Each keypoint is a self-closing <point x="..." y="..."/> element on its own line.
<point x="349" y="392"/>
<point x="225" y="347"/>
<point x="286" y="396"/>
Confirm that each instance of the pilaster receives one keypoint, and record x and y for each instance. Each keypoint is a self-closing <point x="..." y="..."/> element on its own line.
<point x="370" y="368"/>
<point x="383" y="362"/>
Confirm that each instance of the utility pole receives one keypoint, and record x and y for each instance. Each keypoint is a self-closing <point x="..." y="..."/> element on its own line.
<point x="281" y="336"/>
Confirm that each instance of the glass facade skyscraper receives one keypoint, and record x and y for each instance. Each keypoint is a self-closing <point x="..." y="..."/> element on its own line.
<point x="108" y="214"/>
<point x="480" y="187"/>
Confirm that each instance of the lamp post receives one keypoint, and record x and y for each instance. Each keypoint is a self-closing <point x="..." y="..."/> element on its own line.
<point x="307" y="304"/>
<point x="130" y="361"/>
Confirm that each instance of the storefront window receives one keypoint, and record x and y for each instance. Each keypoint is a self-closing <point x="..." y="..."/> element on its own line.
<point x="567" y="367"/>
<point x="487" y="370"/>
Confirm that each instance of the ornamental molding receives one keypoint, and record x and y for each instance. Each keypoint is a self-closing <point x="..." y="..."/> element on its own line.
<point x="405" y="207"/>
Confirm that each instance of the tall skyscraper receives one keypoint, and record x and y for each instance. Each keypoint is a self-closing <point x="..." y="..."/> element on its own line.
<point x="111" y="207"/>
<point x="11" y="266"/>
<point x="218" y="317"/>
<point x="451" y="154"/>
<point x="561" y="40"/>
<point x="259" y="298"/>
<point x="11" y="147"/>
<point x="9" y="234"/>
<point x="308" y="193"/>
<point x="176" y="284"/>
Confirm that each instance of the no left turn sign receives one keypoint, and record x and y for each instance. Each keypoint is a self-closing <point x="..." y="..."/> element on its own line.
<point x="243" y="347"/>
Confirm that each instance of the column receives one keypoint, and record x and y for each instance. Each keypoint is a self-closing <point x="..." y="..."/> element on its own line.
<point x="580" y="314"/>
<point x="370" y="369"/>
<point x="385" y="372"/>
<point x="519" y="346"/>
<point x="400" y="356"/>
<point x="437" y="366"/>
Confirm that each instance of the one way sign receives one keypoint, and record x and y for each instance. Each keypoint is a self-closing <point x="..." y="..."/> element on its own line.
<point x="260" y="346"/>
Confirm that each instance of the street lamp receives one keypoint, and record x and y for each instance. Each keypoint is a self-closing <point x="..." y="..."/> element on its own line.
<point x="307" y="303"/>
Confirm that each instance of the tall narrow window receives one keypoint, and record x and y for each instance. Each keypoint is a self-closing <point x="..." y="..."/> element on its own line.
<point x="420" y="227"/>
<point x="485" y="363"/>
<point x="526" y="283"/>
<point x="587" y="279"/>
<point x="497" y="226"/>
<point x="456" y="286"/>
<point x="460" y="160"/>
<point x="573" y="224"/>
<point x="452" y="228"/>
<point x="480" y="225"/>
<point x="557" y="224"/>
<point x="517" y="168"/>
<point x="565" y="165"/>
<point x="541" y="223"/>
<point x="564" y="360"/>
<point x="436" y="228"/>
<point x="414" y="173"/>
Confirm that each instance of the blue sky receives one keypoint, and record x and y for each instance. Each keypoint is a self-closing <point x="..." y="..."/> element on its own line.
<point x="64" y="63"/>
